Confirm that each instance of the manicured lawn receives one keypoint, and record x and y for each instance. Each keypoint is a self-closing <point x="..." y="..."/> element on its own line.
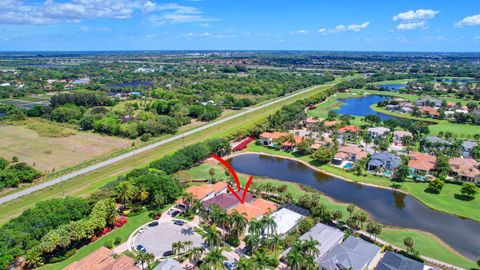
<point x="395" y="81"/>
<point x="428" y="245"/>
<point x="123" y="232"/>
<point x="411" y="97"/>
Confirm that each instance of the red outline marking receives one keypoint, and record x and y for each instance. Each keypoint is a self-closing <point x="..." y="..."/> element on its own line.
<point x="235" y="176"/>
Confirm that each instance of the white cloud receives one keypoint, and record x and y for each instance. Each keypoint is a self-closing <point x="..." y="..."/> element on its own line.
<point x="86" y="29"/>
<point x="173" y="14"/>
<point x="74" y="11"/>
<point x="469" y="21"/>
<point x="411" y="26"/>
<point x="322" y="30"/>
<point x="413" y="15"/>
<point x="414" y="19"/>
<point x="351" y="28"/>
<point x="476" y="39"/>
<point x="300" y="32"/>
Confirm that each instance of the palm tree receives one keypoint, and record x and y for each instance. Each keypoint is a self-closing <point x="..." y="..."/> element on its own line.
<point x="309" y="247"/>
<point x="239" y="223"/>
<point x="125" y="192"/>
<point x="295" y="259"/>
<point x="142" y="194"/>
<point x="244" y="264"/>
<point x="177" y="247"/>
<point x="143" y="258"/>
<point x="255" y="227"/>
<point x="262" y="261"/>
<point x="159" y="200"/>
<point x="252" y="241"/>
<point x="275" y="241"/>
<point x="214" y="259"/>
<point x="212" y="236"/>
<point x="212" y="175"/>
<point x="194" y="255"/>
<point x="269" y="226"/>
<point x="188" y="199"/>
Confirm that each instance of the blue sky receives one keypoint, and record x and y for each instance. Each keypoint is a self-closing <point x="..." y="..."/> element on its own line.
<point x="374" y="25"/>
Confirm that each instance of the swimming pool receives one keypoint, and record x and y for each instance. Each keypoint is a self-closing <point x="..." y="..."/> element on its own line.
<point x="348" y="166"/>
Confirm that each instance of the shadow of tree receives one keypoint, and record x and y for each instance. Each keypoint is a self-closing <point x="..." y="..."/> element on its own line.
<point x="463" y="197"/>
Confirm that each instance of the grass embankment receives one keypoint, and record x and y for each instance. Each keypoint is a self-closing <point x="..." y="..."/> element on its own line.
<point x="88" y="183"/>
<point x="123" y="232"/>
<point x="425" y="243"/>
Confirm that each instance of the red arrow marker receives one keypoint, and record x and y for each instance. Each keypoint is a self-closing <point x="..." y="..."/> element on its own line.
<point x="237" y="181"/>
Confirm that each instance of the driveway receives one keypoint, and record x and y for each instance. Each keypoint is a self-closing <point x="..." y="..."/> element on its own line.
<point x="160" y="238"/>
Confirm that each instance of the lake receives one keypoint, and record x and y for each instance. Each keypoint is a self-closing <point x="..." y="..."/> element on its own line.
<point x="388" y="207"/>
<point x="360" y="106"/>
<point x="131" y="84"/>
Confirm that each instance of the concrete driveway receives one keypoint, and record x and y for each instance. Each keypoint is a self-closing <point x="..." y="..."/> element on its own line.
<point x="160" y="238"/>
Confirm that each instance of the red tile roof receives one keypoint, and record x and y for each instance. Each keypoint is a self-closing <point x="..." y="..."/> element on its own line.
<point x="422" y="161"/>
<point x="273" y="135"/>
<point x="255" y="209"/>
<point x="102" y="259"/>
<point x="202" y="191"/>
<point x="353" y="129"/>
<point x="465" y="167"/>
<point x="429" y="110"/>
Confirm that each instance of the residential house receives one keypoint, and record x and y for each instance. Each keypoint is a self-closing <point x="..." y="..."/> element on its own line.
<point x="384" y="161"/>
<point x="429" y="111"/>
<point x="227" y="201"/>
<point x="394" y="261"/>
<point x="323" y="142"/>
<point x="255" y="209"/>
<point x="378" y="132"/>
<point x="327" y="236"/>
<point x="421" y="164"/>
<point x="311" y="122"/>
<point x="287" y="218"/>
<point x="269" y="138"/>
<point x="290" y="146"/>
<point x="349" y="152"/>
<point x="206" y="192"/>
<point x="398" y="135"/>
<point x="467" y="148"/>
<point x="433" y="141"/>
<point x="348" y="132"/>
<point x="354" y="253"/>
<point x="465" y="169"/>
<point x="102" y="259"/>
<point x="169" y="264"/>
<point x="429" y="102"/>
<point x="331" y="123"/>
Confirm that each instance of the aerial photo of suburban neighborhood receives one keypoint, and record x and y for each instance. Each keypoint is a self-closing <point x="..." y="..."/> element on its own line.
<point x="239" y="135"/>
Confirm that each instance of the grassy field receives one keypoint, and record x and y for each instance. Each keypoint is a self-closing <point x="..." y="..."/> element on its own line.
<point x="88" y="183"/>
<point x="445" y="201"/>
<point x="64" y="149"/>
<point x="411" y="97"/>
<point x="426" y="243"/>
<point x="123" y="232"/>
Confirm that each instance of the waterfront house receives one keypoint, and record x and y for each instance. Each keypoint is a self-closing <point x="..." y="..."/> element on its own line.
<point x="269" y="138"/>
<point x="255" y="209"/>
<point x="429" y="112"/>
<point x="349" y="152"/>
<point x="227" y="201"/>
<point x="421" y="164"/>
<point x="287" y="218"/>
<point x="384" y="161"/>
<point x="465" y="169"/>
<point x="354" y="253"/>
<point x="394" y="261"/>
<point x="429" y="102"/>
<point x="291" y="145"/>
<point x="206" y="192"/>
<point x="378" y="132"/>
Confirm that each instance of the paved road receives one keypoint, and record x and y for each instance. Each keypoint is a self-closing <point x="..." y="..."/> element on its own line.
<point x="66" y="177"/>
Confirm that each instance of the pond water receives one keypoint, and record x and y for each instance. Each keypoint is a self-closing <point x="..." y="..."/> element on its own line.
<point x="392" y="86"/>
<point x="385" y="206"/>
<point x="131" y="84"/>
<point x="360" y="106"/>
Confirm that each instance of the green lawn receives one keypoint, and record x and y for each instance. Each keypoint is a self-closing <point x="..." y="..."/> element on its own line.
<point x="394" y="81"/>
<point x="123" y="232"/>
<point x="411" y="97"/>
<point x="428" y="245"/>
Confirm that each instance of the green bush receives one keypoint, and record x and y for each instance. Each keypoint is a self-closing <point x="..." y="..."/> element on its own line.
<point x="108" y="244"/>
<point x="117" y="241"/>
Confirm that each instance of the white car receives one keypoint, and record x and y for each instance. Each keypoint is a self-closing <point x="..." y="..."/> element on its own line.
<point x="142" y="230"/>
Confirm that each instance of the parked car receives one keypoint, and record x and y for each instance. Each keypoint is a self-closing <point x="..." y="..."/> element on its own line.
<point x="167" y="253"/>
<point x="230" y="266"/>
<point x="153" y="223"/>
<point x="180" y="206"/>
<point x="141" y="248"/>
<point x="142" y="230"/>
<point x="178" y="222"/>
<point x="175" y="213"/>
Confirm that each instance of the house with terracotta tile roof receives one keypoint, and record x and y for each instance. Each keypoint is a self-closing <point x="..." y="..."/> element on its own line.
<point x="290" y="146"/>
<point x="205" y="192"/>
<point x="465" y="169"/>
<point x="421" y="163"/>
<point x="311" y="122"/>
<point x="269" y="138"/>
<point x="102" y="259"/>
<point x="432" y="112"/>
<point x="255" y="209"/>
<point x="331" y="123"/>
<point x="348" y="132"/>
<point x="349" y="152"/>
